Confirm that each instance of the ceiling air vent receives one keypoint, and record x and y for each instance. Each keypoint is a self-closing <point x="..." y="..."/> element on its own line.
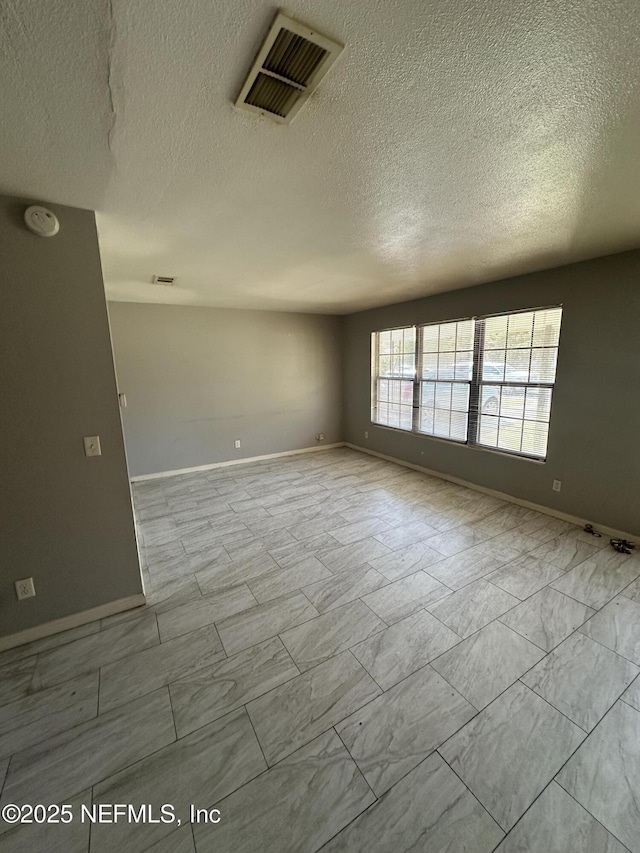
<point x="289" y="66"/>
<point x="166" y="280"/>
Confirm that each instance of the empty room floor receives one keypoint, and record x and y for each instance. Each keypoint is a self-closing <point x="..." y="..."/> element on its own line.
<point x="340" y="653"/>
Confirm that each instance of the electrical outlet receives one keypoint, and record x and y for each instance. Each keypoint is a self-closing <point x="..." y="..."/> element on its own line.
<point x="25" y="588"/>
<point x="92" y="445"/>
<point x="557" y="485"/>
<point x="236" y="444"/>
<point x="366" y="434"/>
<point x="320" y="436"/>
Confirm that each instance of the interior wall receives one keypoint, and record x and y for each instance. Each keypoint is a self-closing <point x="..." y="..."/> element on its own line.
<point x="197" y="379"/>
<point x="594" y="439"/>
<point x="67" y="519"/>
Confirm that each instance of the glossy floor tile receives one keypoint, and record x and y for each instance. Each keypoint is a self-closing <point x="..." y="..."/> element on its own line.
<point x="473" y="607"/>
<point x="487" y="754"/>
<point x="204" y="611"/>
<point x="565" y="552"/>
<point x="266" y="620"/>
<point x="406" y="534"/>
<point x="633" y="591"/>
<point x="631" y="695"/>
<point x="406" y="561"/>
<point x="232" y="682"/>
<point x="524" y="576"/>
<point x="345" y="587"/>
<point x="212" y="762"/>
<point x="547" y="617"/>
<point x="294" y="713"/>
<point x="319" y="639"/>
<point x="389" y="736"/>
<point x="392" y="654"/>
<point x="80" y="757"/>
<point x="295" y="807"/>
<point x="179" y="841"/>
<point x="148" y="670"/>
<point x="403" y="597"/>
<point x="41" y="715"/>
<point x="617" y="626"/>
<point x="16" y="678"/>
<point x="429" y="810"/>
<point x="487" y="662"/>
<point x="471" y="565"/>
<point x="604" y="774"/>
<point x="90" y="653"/>
<point x="582" y="679"/>
<point x="317" y="619"/>
<point x="281" y="581"/>
<point x="348" y="557"/>
<point x="556" y="823"/>
<point x="594" y="583"/>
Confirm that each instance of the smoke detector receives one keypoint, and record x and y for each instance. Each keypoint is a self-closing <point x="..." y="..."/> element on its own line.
<point x="291" y="62"/>
<point x="166" y="280"/>
<point x="41" y="221"/>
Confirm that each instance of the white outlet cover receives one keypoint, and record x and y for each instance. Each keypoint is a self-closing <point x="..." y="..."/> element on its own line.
<point x="237" y="443"/>
<point x="557" y="485"/>
<point x="25" y="588"/>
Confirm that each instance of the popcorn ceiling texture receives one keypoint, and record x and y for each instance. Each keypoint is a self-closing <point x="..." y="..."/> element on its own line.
<point x="454" y="142"/>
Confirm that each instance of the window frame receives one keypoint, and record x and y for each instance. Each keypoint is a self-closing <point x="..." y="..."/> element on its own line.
<point x="452" y="381"/>
<point x="376" y="377"/>
<point x="475" y="383"/>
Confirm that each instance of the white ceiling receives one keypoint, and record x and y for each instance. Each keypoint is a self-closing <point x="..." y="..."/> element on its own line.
<point x="454" y="142"/>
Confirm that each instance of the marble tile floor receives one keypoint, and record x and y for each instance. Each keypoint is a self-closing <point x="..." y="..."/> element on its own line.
<point x="339" y="653"/>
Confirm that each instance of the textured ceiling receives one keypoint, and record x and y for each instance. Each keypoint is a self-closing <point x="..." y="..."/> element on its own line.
<point x="454" y="142"/>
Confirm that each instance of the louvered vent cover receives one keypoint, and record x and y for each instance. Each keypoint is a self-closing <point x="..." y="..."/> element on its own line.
<point x="289" y="66"/>
<point x="166" y="280"/>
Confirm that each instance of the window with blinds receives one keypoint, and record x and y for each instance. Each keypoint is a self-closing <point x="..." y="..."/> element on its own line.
<point x="484" y="381"/>
<point x="446" y="365"/>
<point x="393" y="374"/>
<point x="519" y="357"/>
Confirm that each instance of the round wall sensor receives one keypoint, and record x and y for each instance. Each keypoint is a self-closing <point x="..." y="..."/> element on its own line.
<point x="41" y="221"/>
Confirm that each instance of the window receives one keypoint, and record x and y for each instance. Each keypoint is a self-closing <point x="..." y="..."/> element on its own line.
<point x="483" y="381"/>
<point x="519" y="355"/>
<point x="394" y="370"/>
<point x="446" y="359"/>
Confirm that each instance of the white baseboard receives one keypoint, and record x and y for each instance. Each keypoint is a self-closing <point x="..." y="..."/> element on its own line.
<point x="73" y="621"/>
<point x="142" y="477"/>
<point x="573" y="519"/>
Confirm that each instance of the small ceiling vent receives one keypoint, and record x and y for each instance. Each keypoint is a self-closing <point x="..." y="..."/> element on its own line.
<point x="166" y="280"/>
<point x="289" y="66"/>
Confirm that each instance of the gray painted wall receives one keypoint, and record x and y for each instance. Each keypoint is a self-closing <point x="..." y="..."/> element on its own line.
<point x="66" y="520"/>
<point x="196" y="379"/>
<point x="594" y="440"/>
